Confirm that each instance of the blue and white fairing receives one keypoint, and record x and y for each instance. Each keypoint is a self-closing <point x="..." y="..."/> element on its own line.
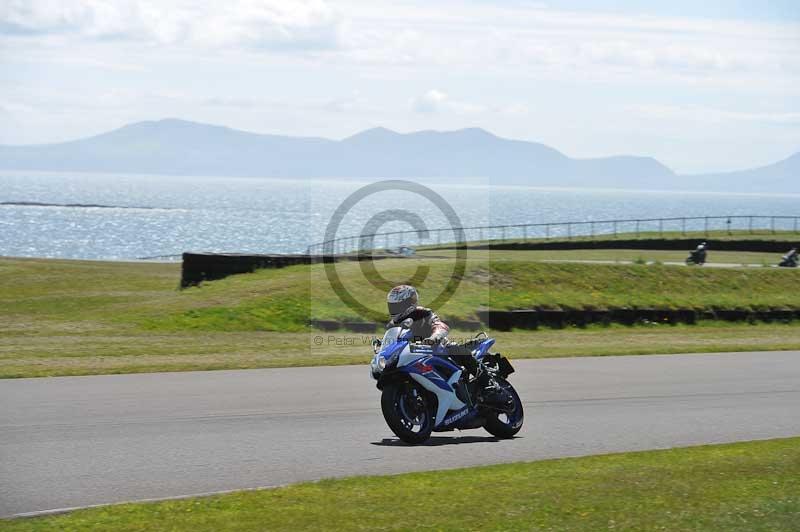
<point x="480" y="351"/>
<point x="434" y="373"/>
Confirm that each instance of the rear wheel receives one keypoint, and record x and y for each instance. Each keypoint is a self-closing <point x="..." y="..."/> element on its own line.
<point x="408" y="410"/>
<point x="506" y="424"/>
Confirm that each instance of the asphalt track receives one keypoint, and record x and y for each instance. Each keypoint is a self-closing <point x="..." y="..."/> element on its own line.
<point x="76" y="441"/>
<point x="666" y="263"/>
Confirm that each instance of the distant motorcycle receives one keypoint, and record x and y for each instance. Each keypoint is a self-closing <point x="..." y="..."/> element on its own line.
<point x="423" y="391"/>
<point x="698" y="257"/>
<point x="789" y="260"/>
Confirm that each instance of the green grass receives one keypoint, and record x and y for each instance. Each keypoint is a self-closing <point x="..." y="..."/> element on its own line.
<point x="736" y="258"/>
<point x="515" y="236"/>
<point x="61" y="317"/>
<point x="48" y="295"/>
<point x="750" y="487"/>
<point x="141" y="352"/>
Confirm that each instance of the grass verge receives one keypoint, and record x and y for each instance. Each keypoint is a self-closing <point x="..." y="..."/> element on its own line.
<point x="728" y="258"/>
<point x="753" y="486"/>
<point x="37" y="296"/>
<point x="60" y="317"/>
<point x="133" y="352"/>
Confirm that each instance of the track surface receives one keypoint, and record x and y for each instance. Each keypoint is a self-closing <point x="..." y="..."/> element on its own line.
<point x="74" y="441"/>
<point x="665" y="263"/>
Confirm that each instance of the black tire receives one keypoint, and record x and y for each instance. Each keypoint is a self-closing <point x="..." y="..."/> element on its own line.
<point x="503" y="425"/>
<point x="406" y="406"/>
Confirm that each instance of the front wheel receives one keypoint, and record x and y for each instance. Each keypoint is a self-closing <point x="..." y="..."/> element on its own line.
<point x="506" y="424"/>
<point x="408" y="410"/>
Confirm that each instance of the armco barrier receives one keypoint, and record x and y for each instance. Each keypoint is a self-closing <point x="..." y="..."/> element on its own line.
<point x="506" y="320"/>
<point x="198" y="267"/>
<point x="668" y="244"/>
<point x="326" y="325"/>
<point x="360" y="326"/>
<point x="465" y="325"/>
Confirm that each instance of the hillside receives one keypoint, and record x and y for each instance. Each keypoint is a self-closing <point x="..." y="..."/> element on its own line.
<point x="179" y="147"/>
<point x="783" y="176"/>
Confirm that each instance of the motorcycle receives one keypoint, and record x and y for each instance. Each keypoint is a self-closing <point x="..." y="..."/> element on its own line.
<point x="422" y="391"/>
<point x="789" y="260"/>
<point x="698" y="257"/>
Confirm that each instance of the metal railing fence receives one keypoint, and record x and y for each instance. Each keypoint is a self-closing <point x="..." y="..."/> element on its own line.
<point x="704" y="225"/>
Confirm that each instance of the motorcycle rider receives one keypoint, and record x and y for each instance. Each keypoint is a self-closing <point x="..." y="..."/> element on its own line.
<point x="699" y="254"/>
<point x="429" y="329"/>
<point x="790" y="259"/>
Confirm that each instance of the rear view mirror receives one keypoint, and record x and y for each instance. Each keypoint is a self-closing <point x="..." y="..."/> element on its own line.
<point x="407" y="323"/>
<point x="376" y="345"/>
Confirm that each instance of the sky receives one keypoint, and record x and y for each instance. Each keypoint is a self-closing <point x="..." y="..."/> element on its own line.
<point x="701" y="86"/>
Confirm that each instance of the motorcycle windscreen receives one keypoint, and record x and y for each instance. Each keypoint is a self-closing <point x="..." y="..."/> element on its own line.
<point x="390" y="336"/>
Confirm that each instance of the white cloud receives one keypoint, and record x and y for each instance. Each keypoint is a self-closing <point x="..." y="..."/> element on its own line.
<point x="354" y="103"/>
<point x="303" y="24"/>
<point x="19" y="16"/>
<point x="309" y="24"/>
<point x="430" y="102"/>
<point x="564" y="45"/>
<point x="524" y="38"/>
<point x="434" y="101"/>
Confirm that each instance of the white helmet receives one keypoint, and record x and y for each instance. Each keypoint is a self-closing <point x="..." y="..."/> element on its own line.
<point x="401" y="298"/>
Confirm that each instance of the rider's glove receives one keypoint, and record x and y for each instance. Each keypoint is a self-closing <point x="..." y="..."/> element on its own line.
<point x="433" y="340"/>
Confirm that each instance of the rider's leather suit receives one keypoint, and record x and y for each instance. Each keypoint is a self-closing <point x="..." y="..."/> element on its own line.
<point x="428" y="326"/>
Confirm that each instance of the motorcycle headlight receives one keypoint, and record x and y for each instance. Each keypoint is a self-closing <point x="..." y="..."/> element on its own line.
<point x="377" y="366"/>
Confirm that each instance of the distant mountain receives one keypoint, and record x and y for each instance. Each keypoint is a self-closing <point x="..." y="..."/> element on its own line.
<point x="783" y="176"/>
<point x="174" y="147"/>
<point x="179" y="147"/>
